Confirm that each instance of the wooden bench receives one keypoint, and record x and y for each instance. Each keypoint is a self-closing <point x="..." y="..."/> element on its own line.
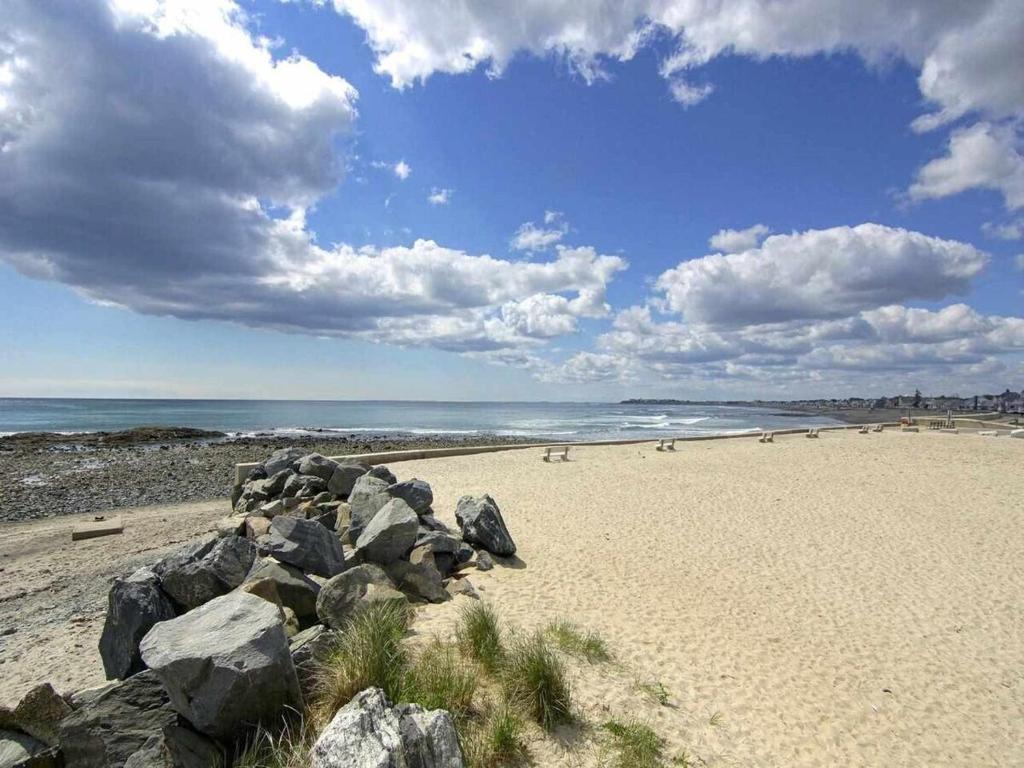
<point x="558" y="451"/>
<point x="767" y="437"/>
<point x="667" y="444"/>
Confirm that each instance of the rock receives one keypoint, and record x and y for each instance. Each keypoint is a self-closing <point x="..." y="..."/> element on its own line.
<point x="482" y="524"/>
<point x="284" y="458"/>
<point x="274" y="484"/>
<point x="431" y="523"/>
<point x="107" y="731"/>
<point x="324" y="497"/>
<point x="328" y="519"/>
<point x="19" y="750"/>
<point x="230" y="526"/>
<point x="177" y="747"/>
<point x="435" y="541"/>
<point x="296" y="590"/>
<point x="315" y="464"/>
<point x="368" y="497"/>
<point x="415" y="493"/>
<point x="308" y="648"/>
<point x="369" y="733"/>
<point x="86" y="696"/>
<point x="255" y="526"/>
<point x="194" y="582"/>
<point x="265" y="588"/>
<point x="302" y="486"/>
<point x="464" y="553"/>
<point x="443" y="562"/>
<point x="38" y="714"/>
<point x="421" y="580"/>
<point x="462" y="587"/>
<point x="283" y="506"/>
<point x="340" y="597"/>
<point x="134" y="605"/>
<point x="343" y="518"/>
<point x="345" y="475"/>
<point x="307" y="545"/>
<point x="390" y="534"/>
<point x="484" y="561"/>
<point x="225" y="665"/>
<point x="383" y="473"/>
<point x="291" y="622"/>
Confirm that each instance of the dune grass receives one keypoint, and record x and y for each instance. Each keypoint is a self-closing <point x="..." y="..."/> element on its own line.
<point x="439" y="679"/>
<point x="284" y="747"/>
<point x="654" y="690"/>
<point x="633" y="745"/>
<point x="496" y="740"/>
<point x="479" y="634"/>
<point x="535" y="678"/>
<point x="586" y="645"/>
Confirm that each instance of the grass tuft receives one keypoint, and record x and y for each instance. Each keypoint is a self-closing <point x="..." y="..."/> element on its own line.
<point x="655" y="691"/>
<point x="583" y="644"/>
<point x="439" y="679"/>
<point x="369" y="653"/>
<point x="535" y="678"/>
<point x="286" y="747"/>
<point x="497" y="740"/>
<point x="633" y="745"/>
<point x="479" y="633"/>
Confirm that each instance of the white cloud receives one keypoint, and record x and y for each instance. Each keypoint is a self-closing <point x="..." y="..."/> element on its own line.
<point x="736" y="240"/>
<point x="1020" y="261"/>
<point x="819" y="274"/>
<point x="213" y="226"/>
<point x="439" y="196"/>
<point x="981" y="156"/>
<point x="531" y="238"/>
<point x="687" y="94"/>
<point x="402" y="170"/>
<point x="1010" y="230"/>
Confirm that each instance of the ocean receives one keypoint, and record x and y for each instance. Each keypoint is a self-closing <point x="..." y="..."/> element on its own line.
<point x="555" y="421"/>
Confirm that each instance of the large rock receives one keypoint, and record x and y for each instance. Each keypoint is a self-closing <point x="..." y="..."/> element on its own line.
<point x="420" y="580"/>
<point x="274" y="484"/>
<point x="307" y="545"/>
<point x="345" y="475"/>
<point x="192" y="582"/>
<point x="38" y="714"/>
<point x="19" y="750"/>
<point x="482" y="525"/>
<point x="225" y="665"/>
<point x="368" y="497"/>
<point x="284" y="458"/>
<point x="415" y="493"/>
<point x="134" y="605"/>
<point x="315" y="464"/>
<point x="369" y="733"/>
<point x="340" y="597"/>
<point x="177" y="747"/>
<point x="390" y="534"/>
<point x="304" y="486"/>
<point x="106" y="731"/>
<point x="383" y="473"/>
<point x="436" y="541"/>
<point x="296" y="590"/>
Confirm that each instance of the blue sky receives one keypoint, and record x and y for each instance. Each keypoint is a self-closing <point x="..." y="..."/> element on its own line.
<point x="211" y="204"/>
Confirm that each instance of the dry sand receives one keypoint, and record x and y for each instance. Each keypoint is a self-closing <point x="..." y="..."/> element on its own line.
<point x="852" y="600"/>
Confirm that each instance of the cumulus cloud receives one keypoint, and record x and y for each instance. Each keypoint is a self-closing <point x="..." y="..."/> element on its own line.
<point x="439" y="196"/>
<point x="1010" y="230"/>
<point x="213" y="224"/>
<point x="819" y="274"/>
<point x="402" y="170"/>
<point x="532" y="238"/>
<point x="736" y="240"/>
<point x="981" y="156"/>
<point x="688" y="94"/>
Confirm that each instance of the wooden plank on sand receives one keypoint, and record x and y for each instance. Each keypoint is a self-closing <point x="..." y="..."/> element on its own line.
<point x="95" y="528"/>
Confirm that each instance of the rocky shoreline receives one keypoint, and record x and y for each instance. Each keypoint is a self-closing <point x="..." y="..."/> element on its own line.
<point x="50" y="474"/>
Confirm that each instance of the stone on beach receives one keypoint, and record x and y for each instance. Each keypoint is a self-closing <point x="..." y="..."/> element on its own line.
<point x="190" y="581"/>
<point x="390" y="534"/>
<point x="368" y="497"/>
<point x="296" y="590"/>
<point x="383" y="473"/>
<point x="226" y="665"/>
<point x="343" y="478"/>
<point x="307" y="545"/>
<point x="315" y="464"/>
<point x="421" y="580"/>
<point x="301" y="486"/>
<point x="340" y="597"/>
<point x="177" y="747"/>
<point x="281" y="459"/>
<point x="369" y="733"/>
<point x="482" y="525"/>
<point x="134" y="605"/>
<point x="416" y="493"/>
<point x="38" y="714"/>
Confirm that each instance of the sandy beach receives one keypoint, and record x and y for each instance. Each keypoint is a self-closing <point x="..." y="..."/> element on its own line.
<point x="851" y="600"/>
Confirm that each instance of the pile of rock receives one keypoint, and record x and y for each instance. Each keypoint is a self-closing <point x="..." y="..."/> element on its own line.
<point x="221" y="636"/>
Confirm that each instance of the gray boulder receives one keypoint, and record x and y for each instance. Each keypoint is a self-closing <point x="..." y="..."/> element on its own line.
<point x="465" y="587"/>
<point x="484" y="561"/>
<point x="315" y="464"/>
<point x="390" y="534"/>
<point x="430" y="523"/>
<point x="415" y="493"/>
<point x="177" y="747"/>
<point x="383" y="473"/>
<point x="482" y="525"/>
<point x="368" y="497"/>
<point x="309" y="648"/>
<point x="420" y="580"/>
<point x="134" y="605"/>
<point x="436" y="541"/>
<point x="225" y="665"/>
<point x="190" y="582"/>
<point x="284" y="458"/>
<point x="340" y="597"/>
<point x="106" y="731"/>
<point x="345" y="475"/>
<point x="305" y="544"/>
<point x="19" y="750"/>
<point x="274" y="484"/>
<point x="297" y="591"/>
<point x="369" y="733"/>
<point x="303" y="486"/>
<point x="38" y="714"/>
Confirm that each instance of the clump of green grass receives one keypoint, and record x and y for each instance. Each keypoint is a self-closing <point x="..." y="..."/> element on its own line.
<point x="633" y="745"/>
<point x="368" y="654"/>
<point x="285" y="747"/>
<point x="439" y="679"/>
<point x="479" y="633"/>
<point x="654" y="690"/>
<point x="577" y="642"/>
<point x="535" y="679"/>
<point x="495" y="741"/>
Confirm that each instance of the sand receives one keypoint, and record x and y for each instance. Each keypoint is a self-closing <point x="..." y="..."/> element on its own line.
<point x="851" y="600"/>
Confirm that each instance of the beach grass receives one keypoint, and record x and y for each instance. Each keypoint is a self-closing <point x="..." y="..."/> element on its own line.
<point x="634" y="745"/>
<point x="496" y="740"/>
<point x="584" y="644"/>
<point x="654" y="690"/>
<point x="479" y="633"/>
<point x="285" y="747"/>
<point x="439" y="679"/>
<point x="535" y="678"/>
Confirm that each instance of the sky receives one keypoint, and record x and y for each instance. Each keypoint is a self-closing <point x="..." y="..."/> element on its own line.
<point x="541" y="200"/>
